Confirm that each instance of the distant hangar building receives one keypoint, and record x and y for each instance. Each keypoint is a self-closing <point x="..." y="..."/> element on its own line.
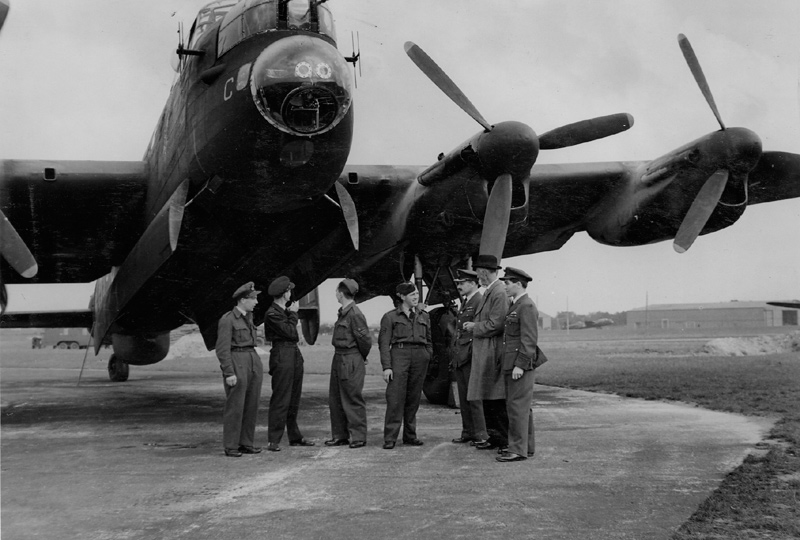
<point x="717" y="315"/>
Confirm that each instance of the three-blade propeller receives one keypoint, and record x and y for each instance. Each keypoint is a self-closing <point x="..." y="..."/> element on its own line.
<point x="709" y="195"/>
<point x="498" y="207"/>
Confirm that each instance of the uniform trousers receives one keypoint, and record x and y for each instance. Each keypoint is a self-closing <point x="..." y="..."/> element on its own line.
<point x="241" y="400"/>
<point x="345" y="399"/>
<point x="409" y="366"/>
<point x="519" y="399"/>
<point x="496" y="416"/>
<point x="286" y="368"/>
<point x="473" y="424"/>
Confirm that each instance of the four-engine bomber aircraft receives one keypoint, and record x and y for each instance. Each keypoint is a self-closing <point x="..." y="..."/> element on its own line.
<point x="246" y="178"/>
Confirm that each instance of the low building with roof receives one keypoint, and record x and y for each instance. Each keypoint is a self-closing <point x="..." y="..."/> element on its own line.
<point x="712" y="315"/>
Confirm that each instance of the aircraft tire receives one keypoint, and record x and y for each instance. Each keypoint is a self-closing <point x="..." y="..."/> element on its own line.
<point x="118" y="370"/>
<point x="74" y="345"/>
<point x="62" y="345"/>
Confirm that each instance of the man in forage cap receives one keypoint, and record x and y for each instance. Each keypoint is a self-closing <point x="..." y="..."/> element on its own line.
<point x="285" y="365"/>
<point x="352" y="342"/>
<point x="406" y="348"/>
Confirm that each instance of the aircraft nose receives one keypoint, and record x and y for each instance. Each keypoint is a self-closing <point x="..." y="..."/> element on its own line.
<point x="301" y="85"/>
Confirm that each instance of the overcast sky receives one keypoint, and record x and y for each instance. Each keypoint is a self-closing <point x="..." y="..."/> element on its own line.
<point x="87" y="79"/>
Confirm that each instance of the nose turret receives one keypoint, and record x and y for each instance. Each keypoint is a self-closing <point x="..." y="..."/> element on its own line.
<point x="301" y="85"/>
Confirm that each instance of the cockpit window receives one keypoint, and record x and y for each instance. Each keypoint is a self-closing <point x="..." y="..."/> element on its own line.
<point x="252" y="17"/>
<point x="299" y="15"/>
<point x="326" y="22"/>
<point x="207" y="16"/>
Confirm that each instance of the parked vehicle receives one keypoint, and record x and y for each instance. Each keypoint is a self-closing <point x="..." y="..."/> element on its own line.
<point x="63" y="338"/>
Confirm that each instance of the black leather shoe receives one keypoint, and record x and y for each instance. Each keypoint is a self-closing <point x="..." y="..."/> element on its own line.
<point x="476" y="442"/>
<point x="502" y="449"/>
<point x="249" y="449"/>
<point x="358" y="444"/>
<point x="508" y="457"/>
<point x="388" y="445"/>
<point x="336" y="442"/>
<point x="530" y="454"/>
<point x="414" y="442"/>
<point x="485" y="445"/>
<point x="461" y="440"/>
<point x="273" y="447"/>
<point x="301" y="442"/>
<point x="232" y="453"/>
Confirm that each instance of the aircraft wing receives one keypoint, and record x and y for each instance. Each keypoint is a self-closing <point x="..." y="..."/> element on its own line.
<point x="776" y="177"/>
<point x="562" y="201"/>
<point x="77" y="218"/>
<point x="616" y="203"/>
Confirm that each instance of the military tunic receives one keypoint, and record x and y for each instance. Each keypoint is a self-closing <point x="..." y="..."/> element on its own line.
<point x="286" y="368"/>
<point x="352" y="343"/>
<point x="235" y="349"/>
<point x="473" y="425"/>
<point x="406" y="348"/>
<point x="519" y="350"/>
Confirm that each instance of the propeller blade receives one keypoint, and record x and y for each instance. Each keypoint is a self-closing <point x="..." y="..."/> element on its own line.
<point x="498" y="213"/>
<point x="4" y="6"/>
<point x="701" y="209"/>
<point x="445" y="84"/>
<point x="14" y="250"/>
<point x="697" y="71"/>
<point x="585" y="131"/>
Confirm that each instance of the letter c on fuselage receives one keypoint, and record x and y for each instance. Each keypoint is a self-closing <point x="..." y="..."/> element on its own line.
<point x="227" y="94"/>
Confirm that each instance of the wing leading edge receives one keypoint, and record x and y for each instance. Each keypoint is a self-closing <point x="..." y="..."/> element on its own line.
<point x="77" y="218"/>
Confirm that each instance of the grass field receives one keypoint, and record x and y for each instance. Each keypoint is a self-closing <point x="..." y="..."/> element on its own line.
<point x="761" y="498"/>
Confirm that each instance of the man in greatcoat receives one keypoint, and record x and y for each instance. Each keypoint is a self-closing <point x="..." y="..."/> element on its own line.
<point x="486" y="380"/>
<point x="285" y="366"/>
<point x="352" y="342"/>
<point x="473" y="425"/>
<point x="519" y="360"/>
<point x="242" y="373"/>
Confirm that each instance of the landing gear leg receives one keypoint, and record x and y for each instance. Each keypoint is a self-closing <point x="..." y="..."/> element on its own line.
<point x="117" y="369"/>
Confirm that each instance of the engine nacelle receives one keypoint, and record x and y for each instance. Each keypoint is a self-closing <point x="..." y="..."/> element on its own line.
<point x="140" y="349"/>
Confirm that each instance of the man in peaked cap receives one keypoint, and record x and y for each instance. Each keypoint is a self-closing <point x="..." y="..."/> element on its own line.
<point x="242" y="372"/>
<point x="486" y="379"/>
<point x="285" y="365"/>
<point x="519" y="356"/>
<point x="473" y="425"/>
<point x="352" y="342"/>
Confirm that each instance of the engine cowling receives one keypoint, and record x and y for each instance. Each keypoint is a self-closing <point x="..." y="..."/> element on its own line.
<point x="140" y="349"/>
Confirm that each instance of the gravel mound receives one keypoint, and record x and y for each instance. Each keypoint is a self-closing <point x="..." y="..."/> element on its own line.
<point x="753" y="346"/>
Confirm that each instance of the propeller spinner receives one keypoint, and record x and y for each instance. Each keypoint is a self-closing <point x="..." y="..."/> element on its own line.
<point x="506" y="159"/>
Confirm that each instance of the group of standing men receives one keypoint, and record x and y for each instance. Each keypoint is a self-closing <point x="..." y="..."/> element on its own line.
<point x="494" y="354"/>
<point x="243" y="372"/>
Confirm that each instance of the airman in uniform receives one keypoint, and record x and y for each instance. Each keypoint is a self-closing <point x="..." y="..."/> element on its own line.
<point x="406" y="348"/>
<point x="352" y="342"/>
<point x="242" y="372"/>
<point x="473" y="425"/>
<point x="519" y="359"/>
<point x="285" y="366"/>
